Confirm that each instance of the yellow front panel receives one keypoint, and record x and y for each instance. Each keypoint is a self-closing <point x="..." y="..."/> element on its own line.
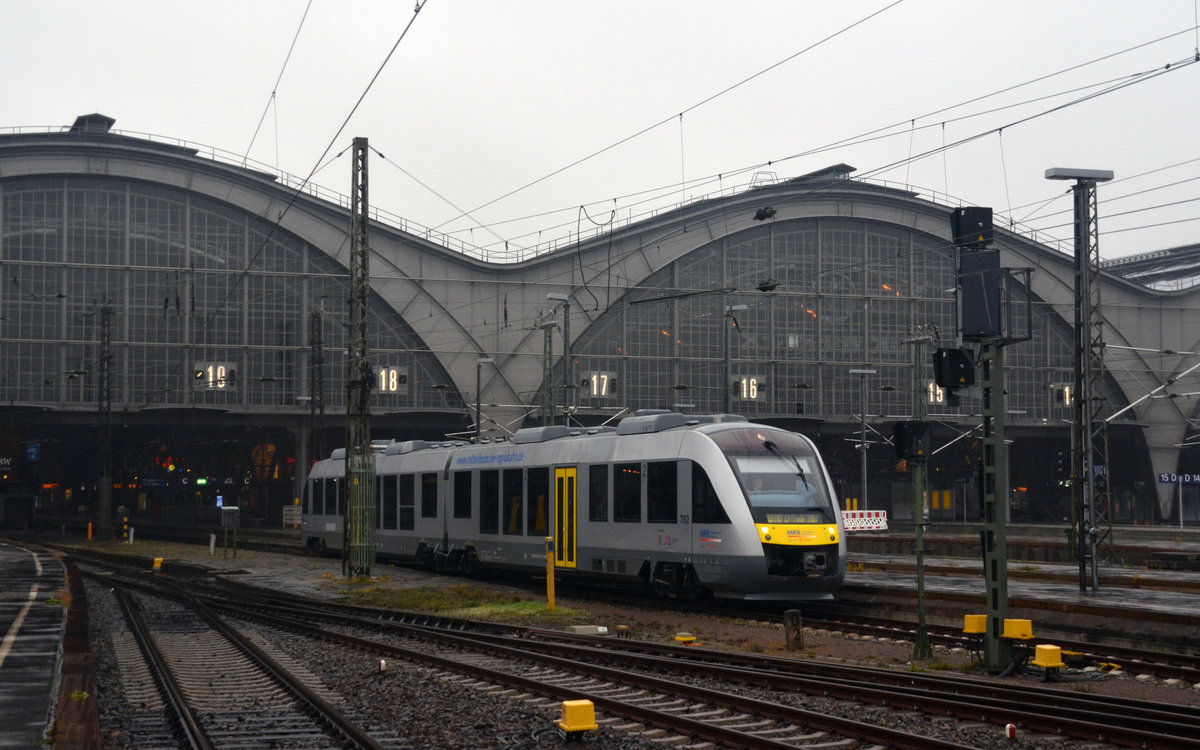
<point x="797" y="534"/>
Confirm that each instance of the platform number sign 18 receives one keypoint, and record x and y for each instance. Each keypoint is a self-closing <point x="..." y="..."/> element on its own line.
<point x="392" y="380"/>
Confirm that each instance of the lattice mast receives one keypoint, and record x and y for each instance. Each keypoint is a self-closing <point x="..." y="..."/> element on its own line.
<point x="359" y="521"/>
<point x="104" y="417"/>
<point x="1089" y="451"/>
<point x="316" y="406"/>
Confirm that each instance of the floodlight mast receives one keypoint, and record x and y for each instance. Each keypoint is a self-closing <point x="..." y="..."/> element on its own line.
<point x="1065" y="173"/>
<point x="1089" y="428"/>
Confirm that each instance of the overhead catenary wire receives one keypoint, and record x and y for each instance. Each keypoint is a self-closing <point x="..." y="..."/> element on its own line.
<point x="273" y="224"/>
<point x="274" y="89"/>
<point x="1105" y="87"/>
<point x="854" y="139"/>
<point x="682" y="112"/>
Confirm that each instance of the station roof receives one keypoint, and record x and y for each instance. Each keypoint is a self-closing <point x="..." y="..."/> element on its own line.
<point x="1172" y="269"/>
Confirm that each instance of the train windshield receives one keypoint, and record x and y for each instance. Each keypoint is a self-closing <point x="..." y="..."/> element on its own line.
<point x="780" y="474"/>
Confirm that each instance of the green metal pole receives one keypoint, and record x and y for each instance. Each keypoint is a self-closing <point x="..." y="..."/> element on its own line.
<point x="921" y="647"/>
<point x="997" y="652"/>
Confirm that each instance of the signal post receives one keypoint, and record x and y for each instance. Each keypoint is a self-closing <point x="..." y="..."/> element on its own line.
<point x="989" y="314"/>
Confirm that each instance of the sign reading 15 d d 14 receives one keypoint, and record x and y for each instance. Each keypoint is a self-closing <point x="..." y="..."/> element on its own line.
<point x="1173" y="478"/>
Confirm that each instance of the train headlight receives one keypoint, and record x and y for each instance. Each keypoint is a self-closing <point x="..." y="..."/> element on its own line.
<point x="766" y="532"/>
<point x="832" y="533"/>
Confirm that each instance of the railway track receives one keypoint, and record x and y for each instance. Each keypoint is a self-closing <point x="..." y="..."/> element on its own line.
<point x="1183" y="666"/>
<point x="672" y="683"/>
<point x="906" y="703"/>
<point x="198" y="679"/>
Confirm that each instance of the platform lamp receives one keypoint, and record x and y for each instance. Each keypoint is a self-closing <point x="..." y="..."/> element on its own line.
<point x="479" y="363"/>
<point x="731" y="312"/>
<point x="568" y="380"/>
<point x="862" y="446"/>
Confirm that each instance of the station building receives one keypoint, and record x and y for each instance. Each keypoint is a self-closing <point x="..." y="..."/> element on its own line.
<point x="183" y="316"/>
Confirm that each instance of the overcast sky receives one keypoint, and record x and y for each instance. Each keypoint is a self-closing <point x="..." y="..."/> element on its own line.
<point x="680" y="99"/>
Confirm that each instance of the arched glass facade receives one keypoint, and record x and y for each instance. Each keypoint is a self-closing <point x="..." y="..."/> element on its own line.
<point x="190" y="284"/>
<point x="225" y="331"/>
<point x="207" y="310"/>
<point x="849" y="295"/>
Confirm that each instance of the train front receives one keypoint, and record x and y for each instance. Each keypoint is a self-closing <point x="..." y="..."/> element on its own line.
<point x="790" y="498"/>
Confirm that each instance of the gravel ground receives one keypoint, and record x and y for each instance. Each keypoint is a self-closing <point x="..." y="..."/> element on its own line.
<point x="436" y="712"/>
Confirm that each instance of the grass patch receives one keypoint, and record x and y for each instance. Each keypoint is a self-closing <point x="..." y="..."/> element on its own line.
<point x="461" y="600"/>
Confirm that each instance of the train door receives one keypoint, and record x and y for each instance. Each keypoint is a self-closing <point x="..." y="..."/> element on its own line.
<point x="565" y="516"/>
<point x="445" y="502"/>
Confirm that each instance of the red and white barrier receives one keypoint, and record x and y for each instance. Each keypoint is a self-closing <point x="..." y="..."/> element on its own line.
<point x="864" y="520"/>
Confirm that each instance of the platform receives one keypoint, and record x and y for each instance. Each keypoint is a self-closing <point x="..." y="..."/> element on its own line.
<point x="32" y="624"/>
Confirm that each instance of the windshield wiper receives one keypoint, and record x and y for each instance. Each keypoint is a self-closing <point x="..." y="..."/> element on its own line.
<point x="788" y="459"/>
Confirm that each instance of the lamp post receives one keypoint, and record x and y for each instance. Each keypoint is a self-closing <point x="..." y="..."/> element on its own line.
<point x="303" y="440"/>
<point x="1088" y="426"/>
<point x="731" y="315"/>
<point x="568" y="380"/>
<point x="479" y="363"/>
<point x="862" y="445"/>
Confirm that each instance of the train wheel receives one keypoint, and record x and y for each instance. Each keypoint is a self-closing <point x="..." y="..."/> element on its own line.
<point x="471" y="566"/>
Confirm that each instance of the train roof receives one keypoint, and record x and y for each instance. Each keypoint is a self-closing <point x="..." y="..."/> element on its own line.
<point x="644" y="422"/>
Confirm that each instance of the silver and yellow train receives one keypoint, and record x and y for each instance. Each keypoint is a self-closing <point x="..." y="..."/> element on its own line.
<point x="691" y="506"/>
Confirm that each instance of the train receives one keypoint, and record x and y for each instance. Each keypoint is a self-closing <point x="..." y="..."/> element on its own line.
<point x="691" y="506"/>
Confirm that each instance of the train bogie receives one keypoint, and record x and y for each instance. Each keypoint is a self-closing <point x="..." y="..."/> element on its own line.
<point x="689" y="507"/>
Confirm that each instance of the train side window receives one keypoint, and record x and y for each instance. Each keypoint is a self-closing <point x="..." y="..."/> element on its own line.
<point x="539" y="495"/>
<point x="662" y="492"/>
<point x="407" y="501"/>
<point x="627" y="493"/>
<point x="333" y="497"/>
<point x="429" y="505"/>
<point x="598" y="492"/>
<point x="375" y="506"/>
<point x="706" y="506"/>
<point x="387" y="501"/>
<point x="462" y="494"/>
<point x="510" y="497"/>
<point x="489" y="502"/>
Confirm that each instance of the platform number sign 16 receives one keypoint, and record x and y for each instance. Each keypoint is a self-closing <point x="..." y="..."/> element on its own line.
<point x="748" y="388"/>
<point x="215" y="376"/>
